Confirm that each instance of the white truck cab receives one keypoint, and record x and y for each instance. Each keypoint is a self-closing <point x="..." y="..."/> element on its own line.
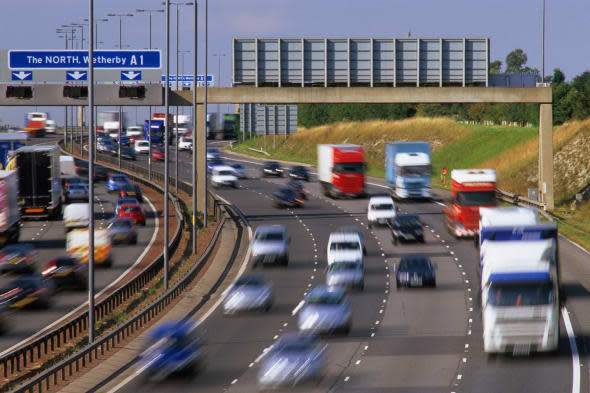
<point x="76" y="216"/>
<point x="345" y="247"/>
<point x="519" y="297"/>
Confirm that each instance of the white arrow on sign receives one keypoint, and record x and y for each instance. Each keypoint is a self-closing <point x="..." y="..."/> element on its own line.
<point x="21" y="75"/>
<point x="76" y="75"/>
<point x="131" y="74"/>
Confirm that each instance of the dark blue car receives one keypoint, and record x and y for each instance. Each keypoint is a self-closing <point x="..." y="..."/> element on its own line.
<point x="173" y="347"/>
<point x="212" y="163"/>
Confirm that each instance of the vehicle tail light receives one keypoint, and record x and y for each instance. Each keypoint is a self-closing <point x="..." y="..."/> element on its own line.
<point x="299" y="200"/>
<point x="49" y="268"/>
<point x="11" y="293"/>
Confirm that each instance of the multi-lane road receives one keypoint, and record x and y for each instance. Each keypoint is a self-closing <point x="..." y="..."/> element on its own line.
<point x="48" y="238"/>
<point x="402" y="341"/>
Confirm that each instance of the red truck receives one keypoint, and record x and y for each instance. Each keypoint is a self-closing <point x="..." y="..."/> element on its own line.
<point x="470" y="189"/>
<point x="341" y="170"/>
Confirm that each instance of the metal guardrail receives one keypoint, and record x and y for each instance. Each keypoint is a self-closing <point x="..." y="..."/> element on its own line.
<point x="519" y="200"/>
<point x="16" y="361"/>
<point x="68" y="367"/>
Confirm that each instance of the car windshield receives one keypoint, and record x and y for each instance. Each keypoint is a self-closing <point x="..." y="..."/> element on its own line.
<point x="349" y="167"/>
<point x="326" y="298"/>
<point x="119" y="178"/>
<point x="237" y="166"/>
<point x="520" y="294"/>
<point x="132" y="209"/>
<point x="476" y="198"/>
<point x="77" y="187"/>
<point x="342" y="266"/>
<point x="415" y="170"/>
<point x="404" y="220"/>
<point x="216" y="161"/>
<point x="143" y="144"/>
<point x="225" y="173"/>
<point x="383" y="206"/>
<point x="295" y="346"/>
<point x="414" y="264"/>
<point x="127" y="200"/>
<point x="273" y="236"/>
<point x="345" y="246"/>
<point x="272" y="165"/>
<point x="121" y="224"/>
<point x="250" y="281"/>
<point x="16" y="249"/>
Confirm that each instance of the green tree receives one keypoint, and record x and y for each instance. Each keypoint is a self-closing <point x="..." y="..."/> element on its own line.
<point x="558" y="77"/>
<point x="515" y="61"/>
<point x="581" y="81"/>
<point x="495" y="67"/>
<point x="564" y="98"/>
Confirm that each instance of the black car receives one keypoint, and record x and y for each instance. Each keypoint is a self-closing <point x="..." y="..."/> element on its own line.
<point x="405" y="227"/>
<point x="298" y="186"/>
<point x="299" y="172"/>
<point x="287" y="197"/>
<point x="81" y="167"/>
<point x="127" y="153"/>
<point x="100" y="173"/>
<point x="18" y="259"/>
<point x="272" y="168"/>
<point x="27" y="291"/>
<point x="131" y="190"/>
<point x="415" y="271"/>
<point x="66" y="272"/>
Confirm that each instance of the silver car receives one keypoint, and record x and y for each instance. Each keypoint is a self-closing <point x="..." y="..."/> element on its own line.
<point x="270" y="245"/>
<point x="346" y="274"/>
<point x="76" y="192"/>
<point x="325" y="309"/>
<point x="292" y="359"/>
<point x="250" y="292"/>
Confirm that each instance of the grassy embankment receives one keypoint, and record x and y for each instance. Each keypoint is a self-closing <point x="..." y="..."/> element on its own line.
<point x="512" y="151"/>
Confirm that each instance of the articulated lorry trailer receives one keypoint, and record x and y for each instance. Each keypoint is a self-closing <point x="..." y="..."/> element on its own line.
<point x="39" y="183"/>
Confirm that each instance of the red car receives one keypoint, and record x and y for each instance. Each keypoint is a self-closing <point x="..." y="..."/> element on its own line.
<point x="132" y="211"/>
<point x="158" y="154"/>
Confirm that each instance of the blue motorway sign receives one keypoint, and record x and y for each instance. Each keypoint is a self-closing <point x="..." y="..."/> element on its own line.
<point x="76" y="75"/>
<point x="22" y="75"/>
<point x="187" y="78"/>
<point x="78" y="59"/>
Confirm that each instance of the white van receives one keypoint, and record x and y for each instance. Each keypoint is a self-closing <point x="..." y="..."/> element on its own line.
<point x="50" y="126"/>
<point x="345" y="247"/>
<point x="76" y="216"/>
<point x="141" y="147"/>
<point x="67" y="166"/>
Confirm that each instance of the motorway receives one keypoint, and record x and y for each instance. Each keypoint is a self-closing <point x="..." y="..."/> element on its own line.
<point x="49" y="241"/>
<point x="402" y="341"/>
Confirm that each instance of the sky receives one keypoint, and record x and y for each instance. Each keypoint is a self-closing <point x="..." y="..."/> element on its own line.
<point x="510" y="24"/>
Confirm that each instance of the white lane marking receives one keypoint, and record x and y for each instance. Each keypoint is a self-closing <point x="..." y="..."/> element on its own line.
<point x="83" y="305"/>
<point x="208" y="313"/>
<point x="574" y="349"/>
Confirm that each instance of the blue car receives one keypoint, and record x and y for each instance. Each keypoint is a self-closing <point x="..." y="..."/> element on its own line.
<point x="213" y="163"/>
<point x="116" y="182"/>
<point x="173" y="347"/>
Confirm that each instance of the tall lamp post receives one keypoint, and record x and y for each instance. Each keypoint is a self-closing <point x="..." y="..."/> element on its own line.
<point x="80" y="112"/>
<point x="150" y="12"/>
<point x="121" y="16"/>
<point x="166" y="128"/>
<point x="194" y="112"/>
<point x="91" y="173"/>
<point x="178" y="5"/>
<point x="65" y="33"/>
<point x="219" y="56"/>
<point x="96" y="41"/>
<point x="69" y="113"/>
<point x="204" y="136"/>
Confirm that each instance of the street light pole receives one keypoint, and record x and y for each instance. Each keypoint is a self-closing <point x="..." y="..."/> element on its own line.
<point x="149" y="12"/>
<point x="91" y="174"/>
<point x="176" y="122"/>
<point x="194" y="113"/>
<point x="120" y="108"/>
<point x="204" y="180"/>
<point x="219" y="56"/>
<point x="167" y="126"/>
<point x="543" y="47"/>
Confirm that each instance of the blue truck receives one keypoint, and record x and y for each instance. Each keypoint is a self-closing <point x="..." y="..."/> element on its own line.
<point x="408" y="169"/>
<point x="157" y="128"/>
<point x="9" y="143"/>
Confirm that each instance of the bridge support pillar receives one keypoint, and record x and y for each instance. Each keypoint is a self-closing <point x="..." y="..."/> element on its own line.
<point x="199" y="142"/>
<point x="546" y="155"/>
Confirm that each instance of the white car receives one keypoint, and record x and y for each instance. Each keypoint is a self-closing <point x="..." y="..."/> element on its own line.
<point x="141" y="147"/>
<point x="134" y="131"/>
<point x="345" y="247"/>
<point x="224" y="175"/>
<point x="381" y="210"/>
<point x="185" y="143"/>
